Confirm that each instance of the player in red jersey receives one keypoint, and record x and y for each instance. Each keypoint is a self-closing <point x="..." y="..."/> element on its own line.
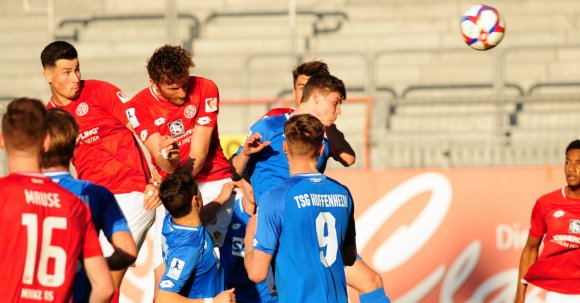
<point x="556" y="220"/>
<point x="45" y="229"/>
<point x="106" y="153"/>
<point x="176" y="118"/>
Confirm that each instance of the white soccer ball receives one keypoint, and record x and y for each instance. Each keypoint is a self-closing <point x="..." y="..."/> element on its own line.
<point x="482" y="27"/>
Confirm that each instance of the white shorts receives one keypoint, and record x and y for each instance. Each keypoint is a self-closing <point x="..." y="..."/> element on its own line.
<point x="554" y="297"/>
<point x="216" y="228"/>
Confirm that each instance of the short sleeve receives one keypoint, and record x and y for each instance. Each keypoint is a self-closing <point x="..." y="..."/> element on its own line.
<point x="91" y="245"/>
<point x="209" y="104"/>
<point x="269" y="225"/>
<point x="537" y="224"/>
<point x="182" y="262"/>
<point x="140" y="118"/>
<point x="113" y="101"/>
<point x="113" y="218"/>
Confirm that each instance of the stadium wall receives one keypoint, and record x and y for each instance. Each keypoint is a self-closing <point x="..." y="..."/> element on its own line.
<point x="447" y="235"/>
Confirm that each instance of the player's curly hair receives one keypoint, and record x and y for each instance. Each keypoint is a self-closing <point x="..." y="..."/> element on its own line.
<point x="573" y="145"/>
<point x="304" y="135"/>
<point x="177" y="191"/>
<point x="309" y="69"/>
<point x="169" y="64"/>
<point x="24" y="125"/>
<point x="63" y="130"/>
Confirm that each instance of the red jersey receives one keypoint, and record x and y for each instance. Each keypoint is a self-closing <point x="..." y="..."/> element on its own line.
<point x="45" y="230"/>
<point x="148" y="114"/>
<point x="556" y="217"/>
<point x="106" y="151"/>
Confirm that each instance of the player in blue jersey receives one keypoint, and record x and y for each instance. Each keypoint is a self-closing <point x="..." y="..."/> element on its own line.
<point x="232" y="252"/>
<point x="106" y="214"/>
<point x="192" y="269"/>
<point x="262" y="158"/>
<point x="305" y="226"/>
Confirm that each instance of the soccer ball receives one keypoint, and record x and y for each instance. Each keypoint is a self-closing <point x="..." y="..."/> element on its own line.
<point x="482" y="27"/>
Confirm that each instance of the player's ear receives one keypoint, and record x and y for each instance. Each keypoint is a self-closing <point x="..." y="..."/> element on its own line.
<point x="46" y="143"/>
<point x="285" y="147"/>
<point x="2" y="143"/>
<point x="321" y="151"/>
<point x="47" y="75"/>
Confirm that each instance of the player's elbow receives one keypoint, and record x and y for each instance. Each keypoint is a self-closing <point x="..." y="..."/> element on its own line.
<point x="349" y="161"/>
<point x="257" y="276"/>
<point x="102" y="292"/>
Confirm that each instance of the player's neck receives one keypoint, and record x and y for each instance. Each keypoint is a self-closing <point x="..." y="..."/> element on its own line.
<point x="59" y="100"/>
<point x="23" y="164"/>
<point x="573" y="191"/>
<point x="302" y="166"/>
<point x="55" y="168"/>
<point x="192" y="219"/>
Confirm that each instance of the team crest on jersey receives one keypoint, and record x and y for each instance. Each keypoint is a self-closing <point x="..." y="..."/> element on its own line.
<point x="122" y="97"/>
<point x="211" y="105"/>
<point x="82" y="109"/>
<point x="203" y="120"/>
<point x="130" y="112"/>
<point x="189" y="111"/>
<point x="159" y="121"/>
<point x="559" y="213"/>
<point x="575" y="226"/>
<point x="175" y="268"/>
<point x="176" y="128"/>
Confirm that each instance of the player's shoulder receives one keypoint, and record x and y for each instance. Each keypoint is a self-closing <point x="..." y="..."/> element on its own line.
<point x="553" y="196"/>
<point x="201" y="81"/>
<point x="271" y="124"/>
<point x="98" y="84"/>
<point x="278" y="111"/>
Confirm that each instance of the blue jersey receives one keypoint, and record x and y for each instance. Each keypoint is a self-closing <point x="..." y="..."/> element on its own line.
<point x="232" y="259"/>
<point x="304" y="223"/>
<point x="192" y="268"/>
<point x="105" y="212"/>
<point x="269" y="167"/>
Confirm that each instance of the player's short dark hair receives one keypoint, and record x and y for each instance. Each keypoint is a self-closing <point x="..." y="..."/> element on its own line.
<point x="573" y="145"/>
<point x="176" y="192"/>
<point x="55" y="51"/>
<point x="169" y="64"/>
<point x="309" y="69"/>
<point x="325" y="84"/>
<point x="24" y="125"/>
<point x="304" y="135"/>
<point x="63" y="130"/>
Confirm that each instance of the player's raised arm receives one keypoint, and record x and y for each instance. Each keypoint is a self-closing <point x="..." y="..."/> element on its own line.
<point x="340" y="149"/>
<point x="253" y="145"/>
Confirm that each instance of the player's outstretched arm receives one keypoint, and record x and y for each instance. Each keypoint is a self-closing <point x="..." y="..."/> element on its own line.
<point x="252" y="146"/>
<point x="125" y="251"/>
<point x="209" y="210"/>
<point x="529" y="256"/>
<point x="340" y="149"/>
<point x="100" y="278"/>
<point x="226" y="296"/>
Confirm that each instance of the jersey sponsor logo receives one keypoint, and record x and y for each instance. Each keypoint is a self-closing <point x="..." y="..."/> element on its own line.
<point x="575" y="226"/>
<point x="143" y="135"/>
<point x="122" y="97"/>
<point x="238" y="246"/>
<point x="189" y="111"/>
<point x="236" y="226"/>
<point x="82" y="109"/>
<point x="159" y="121"/>
<point x="175" y="268"/>
<point x="211" y="105"/>
<point x="132" y="117"/>
<point x="176" y="128"/>
<point x="203" y="120"/>
<point x="166" y="284"/>
<point x="559" y="213"/>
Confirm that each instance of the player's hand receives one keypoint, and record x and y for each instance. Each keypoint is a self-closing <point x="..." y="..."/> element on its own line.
<point x="226" y="296"/>
<point x="152" y="200"/>
<point x="254" y="144"/>
<point x="227" y="191"/>
<point x="168" y="148"/>
<point x="250" y="232"/>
